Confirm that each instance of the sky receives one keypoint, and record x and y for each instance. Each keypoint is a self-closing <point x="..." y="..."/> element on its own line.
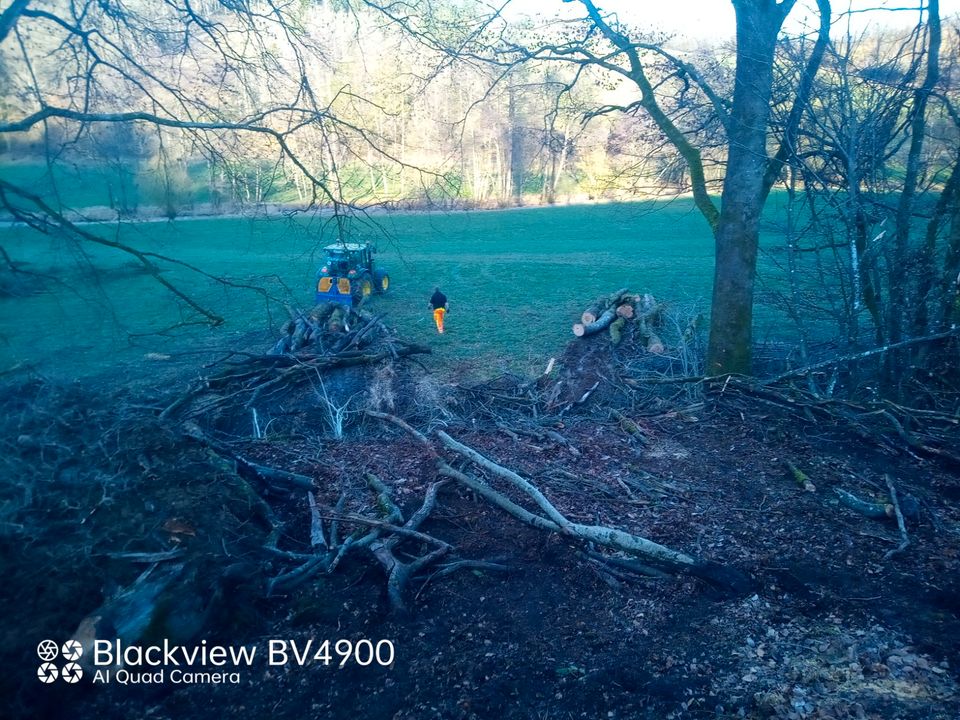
<point x="715" y="18"/>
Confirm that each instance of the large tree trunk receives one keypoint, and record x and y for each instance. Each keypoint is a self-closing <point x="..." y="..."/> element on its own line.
<point x="926" y="268"/>
<point x="736" y="234"/>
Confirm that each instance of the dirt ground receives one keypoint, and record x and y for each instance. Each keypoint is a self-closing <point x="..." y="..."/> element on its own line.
<point x="830" y="629"/>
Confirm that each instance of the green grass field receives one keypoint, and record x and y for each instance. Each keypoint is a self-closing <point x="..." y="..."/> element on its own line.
<point x="516" y="279"/>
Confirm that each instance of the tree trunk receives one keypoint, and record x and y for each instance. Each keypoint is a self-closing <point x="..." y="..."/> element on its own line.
<point x="951" y="267"/>
<point x="516" y="147"/>
<point x="902" y="272"/>
<point x="737" y="230"/>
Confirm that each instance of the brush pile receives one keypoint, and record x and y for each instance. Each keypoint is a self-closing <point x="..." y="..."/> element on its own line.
<point x="330" y="353"/>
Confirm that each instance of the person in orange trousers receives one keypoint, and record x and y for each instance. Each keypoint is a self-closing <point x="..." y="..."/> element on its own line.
<point x="439" y="304"/>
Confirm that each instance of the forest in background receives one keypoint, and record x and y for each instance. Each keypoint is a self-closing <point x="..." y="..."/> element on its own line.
<point x="131" y="110"/>
<point x="410" y="127"/>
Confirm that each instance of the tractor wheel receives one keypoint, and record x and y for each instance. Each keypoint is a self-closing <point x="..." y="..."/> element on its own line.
<point x="381" y="281"/>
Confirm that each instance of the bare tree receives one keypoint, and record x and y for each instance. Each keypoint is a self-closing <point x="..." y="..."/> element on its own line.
<point x="241" y="83"/>
<point x="600" y="41"/>
<point x="878" y="160"/>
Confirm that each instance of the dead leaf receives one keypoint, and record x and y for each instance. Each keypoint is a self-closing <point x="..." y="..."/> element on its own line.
<point x="176" y="526"/>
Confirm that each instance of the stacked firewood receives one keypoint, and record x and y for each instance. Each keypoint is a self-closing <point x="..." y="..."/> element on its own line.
<point x="613" y="313"/>
<point x="328" y="328"/>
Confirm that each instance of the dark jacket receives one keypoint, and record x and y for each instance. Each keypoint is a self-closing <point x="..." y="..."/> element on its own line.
<point x="439" y="300"/>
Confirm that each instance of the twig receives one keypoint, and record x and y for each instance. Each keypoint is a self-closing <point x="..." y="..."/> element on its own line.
<point x="861" y="355"/>
<point x="389" y="527"/>
<point x="905" y="540"/>
<point x="317" y="540"/>
<point x="405" y="426"/>
<point x="145" y="557"/>
<point x="334" y="525"/>
<point x="385" y="502"/>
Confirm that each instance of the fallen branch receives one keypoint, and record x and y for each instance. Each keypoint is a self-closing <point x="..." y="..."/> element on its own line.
<point x="390" y="527"/>
<point x="452" y="567"/>
<point x="555" y="521"/>
<point x="875" y="511"/>
<point x="404" y="425"/>
<point x="317" y="540"/>
<point x="800" y="477"/>
<point x="629" y="426"/>
<point x="274" y="478"/>
<point x="529" y="488"/>
<point x="399" y="574"/>
<point x="800" y="372"/>
<point x="628" y="564"/>
<point x="904" y="539"/>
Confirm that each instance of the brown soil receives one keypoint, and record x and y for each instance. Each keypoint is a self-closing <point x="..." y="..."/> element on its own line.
<point x="830" y="630"/>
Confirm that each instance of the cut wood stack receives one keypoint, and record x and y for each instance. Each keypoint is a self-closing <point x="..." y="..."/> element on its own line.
<point x="613" y="312"/>
<point x="648" y="317"/>
<point x="599" y="306"/>
<point x="328" y="327"/>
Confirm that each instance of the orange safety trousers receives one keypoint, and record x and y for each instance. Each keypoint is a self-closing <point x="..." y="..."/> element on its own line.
<point x="438" y="318"/>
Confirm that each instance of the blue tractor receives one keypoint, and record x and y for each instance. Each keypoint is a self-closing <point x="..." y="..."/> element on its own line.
<point x="348" y="274"/>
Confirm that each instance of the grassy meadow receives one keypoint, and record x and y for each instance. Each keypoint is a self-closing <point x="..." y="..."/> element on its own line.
<point x="516" y="280"/>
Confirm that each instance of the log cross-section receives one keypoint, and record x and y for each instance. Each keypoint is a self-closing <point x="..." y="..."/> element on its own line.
<point x="601" y="323"/>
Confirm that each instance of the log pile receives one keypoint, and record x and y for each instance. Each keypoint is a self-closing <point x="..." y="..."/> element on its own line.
<point x="620" y="311"/>
<point x="329" y="328"/>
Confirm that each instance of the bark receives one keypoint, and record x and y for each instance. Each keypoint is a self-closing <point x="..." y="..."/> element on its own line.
<point x="901" y="270"/>
<point x="599" y="305"/>
<point x="951" y="270"/>
<point x="744" y="191"/>
<point x="553" y="520"/>
<point x="601" y="323"/>
<point x="616" y="330"/>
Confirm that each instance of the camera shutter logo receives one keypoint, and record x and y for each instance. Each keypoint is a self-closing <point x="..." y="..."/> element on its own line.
<point x="48" y="650"/>
<point x="72" y="672"/>
<point x="71" y="650"/>
<point x="47" y="673"/>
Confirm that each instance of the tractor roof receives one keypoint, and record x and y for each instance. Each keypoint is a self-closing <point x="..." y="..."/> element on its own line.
<point x="346" y="247"/>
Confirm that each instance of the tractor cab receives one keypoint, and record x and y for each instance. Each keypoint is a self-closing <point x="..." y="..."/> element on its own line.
<point x="348" y="274"/>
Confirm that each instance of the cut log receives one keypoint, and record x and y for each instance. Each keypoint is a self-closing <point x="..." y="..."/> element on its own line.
<point x="625" y="310"/>
<point x="800" y="477"/>
<point x="616" y="330"/>
<point x="874" y="510"/>
<point x="591" y="314"/>
<point x="338" y="319"/>
<point x="600" y="305"/>
<point x="650" y="308"/>
<point x="601" y="323"/>
<point x="652" y="341"/>
<point x="132" y="612"/>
